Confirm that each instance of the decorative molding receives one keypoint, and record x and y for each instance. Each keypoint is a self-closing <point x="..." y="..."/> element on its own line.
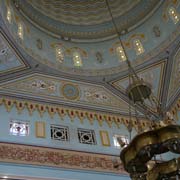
<point x="10" y="61"/>
<point x="65" y="91"/>
<point x="40" y="129"/>
<point x="34" y="13"/>
<point x="41" y="156"/>
<point x="70" y="91"/>
<point x="175" y="77"/>
<point x="72" y="113"/>
<point x="105" y="138"/>
<point x="94" y="69"/>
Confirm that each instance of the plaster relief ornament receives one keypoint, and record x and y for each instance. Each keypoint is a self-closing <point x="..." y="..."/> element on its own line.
<point x="5" y="54"/>
<point x="41" y="85"/>
<point x="70" y="91"/>
<point x="97" y="96"/>
<point x="99" y="57"/>
<point x="39" y="44"/>
<point x="156" y="31"/>
<point x="100" y="96"/>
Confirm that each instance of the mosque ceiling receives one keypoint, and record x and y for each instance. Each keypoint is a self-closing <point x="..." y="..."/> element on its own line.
<point x="175" y="77"/>
<point x="66" y="92"/>
<point x="10" y="61"/>
<point x="83" y="68"/>
<point x="78" y="19"/>
<point x="152" y="74"/>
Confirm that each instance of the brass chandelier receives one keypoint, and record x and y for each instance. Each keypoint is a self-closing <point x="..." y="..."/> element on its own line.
<point x="139" y="157"/>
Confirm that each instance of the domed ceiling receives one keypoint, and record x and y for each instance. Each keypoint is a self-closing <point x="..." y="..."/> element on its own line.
<point x="86" y="19"/>
<point x="65" y="52"/>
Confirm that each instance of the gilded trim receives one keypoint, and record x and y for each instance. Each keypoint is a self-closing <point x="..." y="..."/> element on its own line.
<point x="105" y="142"/>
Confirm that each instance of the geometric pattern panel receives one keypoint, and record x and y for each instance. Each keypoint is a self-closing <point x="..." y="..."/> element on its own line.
<point x="60" y="133"/>
<point x="175" y="77"/>
<point x="86" y="136"/>
<point x="9" y="61"/>
<point x="152" y="75"/>
<point x="63" y="90"/>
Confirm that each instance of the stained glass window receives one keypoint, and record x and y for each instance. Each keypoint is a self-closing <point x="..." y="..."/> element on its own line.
<point x="120" y="140"/>
<point x="19" y="128"/>
<point x="20" y="31"/>
<point x="86" y="136"/>
<point x="60" y="133"/>
<point x="59" y="54"/>
<point x="138" y="46"/>
<point x="174" y="15"/>
<point x="120" y="53"/>
<point x="77" y="59"/>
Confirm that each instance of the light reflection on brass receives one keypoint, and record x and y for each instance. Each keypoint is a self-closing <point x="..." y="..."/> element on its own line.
<point x="145" y="145"/>
<point x="166" y="169"/>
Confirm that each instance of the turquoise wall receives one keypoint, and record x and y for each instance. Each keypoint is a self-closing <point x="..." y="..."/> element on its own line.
<point x="40" y="171"/>
<point x="50" y="173"/>
<point x="74" y="142"/>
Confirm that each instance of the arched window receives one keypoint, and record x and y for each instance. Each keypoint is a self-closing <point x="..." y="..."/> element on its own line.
<point x="77" y="59"/>
<point x="173" y="15"/>
<point x="59" y="54"/>
<point x="8" y="15"/>
<point x="120" y="53"/>
<point x="138" y="46"/>
<point x="20" y="31"/>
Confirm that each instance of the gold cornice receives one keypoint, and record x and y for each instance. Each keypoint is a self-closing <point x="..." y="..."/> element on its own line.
<point x="72" y="113"/>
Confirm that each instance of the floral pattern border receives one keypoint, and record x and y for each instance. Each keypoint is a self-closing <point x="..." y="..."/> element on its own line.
<point x="42" y="156"/>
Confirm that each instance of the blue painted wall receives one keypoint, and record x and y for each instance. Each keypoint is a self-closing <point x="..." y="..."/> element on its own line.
<point x="39" y="171"/>
<point x="50" y="173"/>
<point x="74" y="142"/>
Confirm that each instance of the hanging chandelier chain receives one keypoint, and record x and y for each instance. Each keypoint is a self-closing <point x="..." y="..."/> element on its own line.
<point x="119" y="37"/>
<point x="133" y="75"/>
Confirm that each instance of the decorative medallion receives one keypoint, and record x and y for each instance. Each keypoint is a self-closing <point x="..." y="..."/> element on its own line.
<point x="70" y="91"/>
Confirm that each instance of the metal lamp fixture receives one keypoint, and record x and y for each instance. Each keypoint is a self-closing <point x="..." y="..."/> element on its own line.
<point x="137" y="156"/>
